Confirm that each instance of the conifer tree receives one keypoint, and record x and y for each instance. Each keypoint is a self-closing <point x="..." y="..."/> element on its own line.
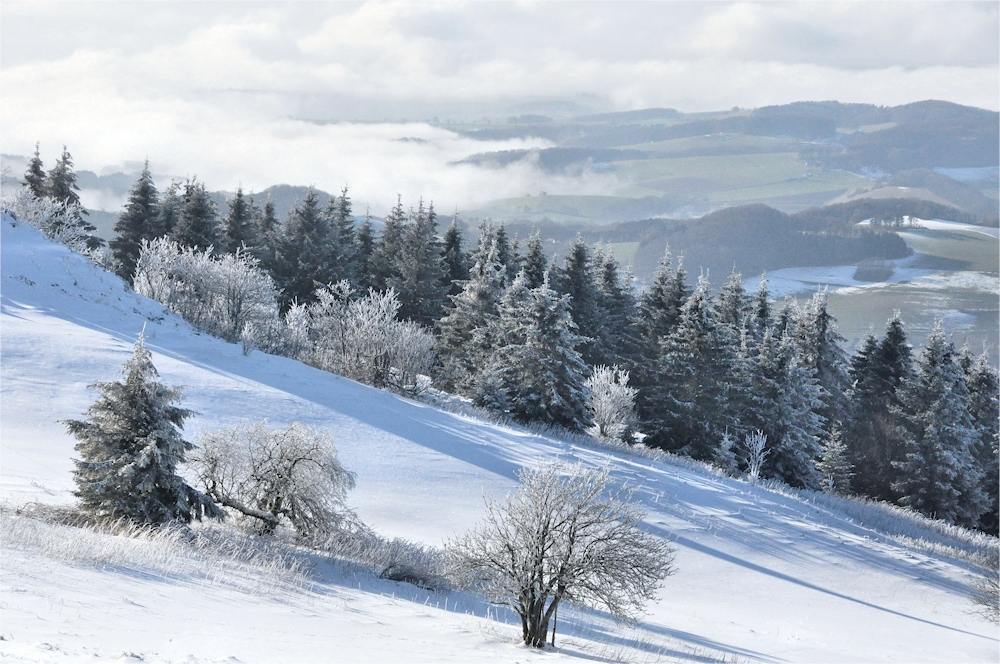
<point x="139" y="221"/>
<point x="364" y="266"/>
<point x="780" y="398"/>
<point x="34" y="177"/>
<point x="303" y="259"/>
<point x="538" y="370"/>
<point x="734" y="305"/>
<point x="535" y="263"/>
<point x="761" y="309"/>
<point x="661" y="304"/>
<point x="170" y="210"/>
<point x="419" y="275"/>
<point x="872" y="432"/>
<point x="455" y="262"/>
<point x="345" y="241"/>
<point x="834" y="466"/>
<point x="938" y="474"/>
<point x="578" y="281"/>
<point x="617" y="302"/>
<point x="689" y="403"/>
<point x="240" y="228"/>
<point x="197" y="226"/>
<point x="130" y="446"/>
<point x="389" y="251"/>
<point x="464" y="340"/>
<point x="984" y="391"/>
<point x="61" y="181"/>
<point x="821" y="351"/>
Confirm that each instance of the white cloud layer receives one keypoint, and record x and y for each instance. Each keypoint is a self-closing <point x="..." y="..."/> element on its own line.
<point x="214" y="88"/>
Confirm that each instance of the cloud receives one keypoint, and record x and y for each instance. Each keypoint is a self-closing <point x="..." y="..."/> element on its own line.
<point x="221" y="89"/>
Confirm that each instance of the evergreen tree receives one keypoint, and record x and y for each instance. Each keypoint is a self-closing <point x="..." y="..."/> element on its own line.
<point x="834" y="466"/>
<point x="820" y="351"/>
<point x="455" y="262"/>
<point x="781" y="398"/>
<point x="578" y="281"/>
<point x="535" y="263"/>
<point x="872" y="433"/>
<point x="938" y="474"/>
<point x="389" y="251"/>
<point x="130" y="446"/>
<point x="733" y="305"/>
<point x="661" y="304"/>
<point x="419" y="274"/>
<point x="464" y="341"/>
<point x="61" y="181"/>
<point x="507" y="253"/>
<point x="34" y="177"/>
<point x="617" y="300"/>
<point x="303" y="259"/>
<point x="364" y="266"/>
<point x="197" y="226"/>
<point x="266" y="233"/>
<point x="139" y="221"/>
<point x="984" y="390"/>
<point x="344" y="241"/>
<point x="537" y="369"/>
<point x="690" y="400"/>
<point x="241" y="231"/>
<point x="170" y="210"/>
<point x="761" y="309"/>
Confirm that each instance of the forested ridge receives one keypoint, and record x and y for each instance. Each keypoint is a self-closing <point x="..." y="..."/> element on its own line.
<point x="694" y="371"/>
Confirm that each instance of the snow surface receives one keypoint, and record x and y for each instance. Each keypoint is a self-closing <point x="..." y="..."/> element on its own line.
<point x="762" y="576"/>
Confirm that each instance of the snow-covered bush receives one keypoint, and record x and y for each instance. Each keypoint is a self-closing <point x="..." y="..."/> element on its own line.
<point x="273" y="475"/>
<point x="560" y="538"/>
<point x="362" y="339"/>
<point x="986" y="589"/>
<point x="227" y="296"/>
<point x="58" y="221"/>
<point x="611" y="403"/>
<point x="395" y="559"/>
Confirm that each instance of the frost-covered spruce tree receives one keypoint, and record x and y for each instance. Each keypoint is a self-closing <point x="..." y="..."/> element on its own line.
<point x="617" y="300"/>
<point x="938" y="475"/>
<point x="464" y="342"/>
<point x="419" y="274"/>
<point x="364" y="266"/>
<point x="34" y="176"/>
<point x="130" y="446"/>
<point x="139" y="221"/>
<point x="872" y="430"/>
<point x="984" y="391"/>
<point x="302" y="254"/>
<point x="60" y="184"/>
<point x="240" y="227"/>
<point x="539" y="370"/>
<point x="733" y="304"/>
<point x="170" y="210"/>
<point x="760" y="309"/>
<point x="197" y="225"/>
<point x="456" y="265"/>
<point x="783" y="398"/>
<point x="690" y="402"/>
<point x="821" y="351"/>
<point x="389" y="249"/>
<point x="577" y="280"/>
<point x="535" y="264"/>
<point x="834" y="465"/>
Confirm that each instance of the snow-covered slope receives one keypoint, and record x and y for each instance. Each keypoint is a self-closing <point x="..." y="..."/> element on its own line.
<point x="761" y="575"/>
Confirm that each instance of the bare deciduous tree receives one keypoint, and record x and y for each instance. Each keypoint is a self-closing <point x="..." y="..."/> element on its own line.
<point x="755" y="444"/>
<point x="275" y="474"/>
<point x="562" y="537"/>
<point x="986" y="589"/>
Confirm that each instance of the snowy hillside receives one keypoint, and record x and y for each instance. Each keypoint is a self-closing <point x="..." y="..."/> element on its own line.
<point x="762" y="576"/>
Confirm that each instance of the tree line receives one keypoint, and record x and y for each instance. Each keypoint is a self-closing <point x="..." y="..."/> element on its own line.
<point x="536" y="340"/>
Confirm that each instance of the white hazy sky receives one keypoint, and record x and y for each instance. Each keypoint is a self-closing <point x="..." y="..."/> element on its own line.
<point x="219" y="89"/>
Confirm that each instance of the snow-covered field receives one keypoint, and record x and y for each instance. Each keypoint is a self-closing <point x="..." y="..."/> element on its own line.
<point x="762" y="575"/>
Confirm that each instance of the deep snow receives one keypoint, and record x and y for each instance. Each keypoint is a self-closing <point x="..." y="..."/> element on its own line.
<point x="761" y="575"/>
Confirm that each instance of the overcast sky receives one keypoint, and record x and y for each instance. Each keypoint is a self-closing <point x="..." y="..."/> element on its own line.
<point x="221" y="89"/>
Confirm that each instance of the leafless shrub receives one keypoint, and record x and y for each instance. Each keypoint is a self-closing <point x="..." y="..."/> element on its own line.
<point x="560" y="538"/>
<point x="272" y="475"/>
